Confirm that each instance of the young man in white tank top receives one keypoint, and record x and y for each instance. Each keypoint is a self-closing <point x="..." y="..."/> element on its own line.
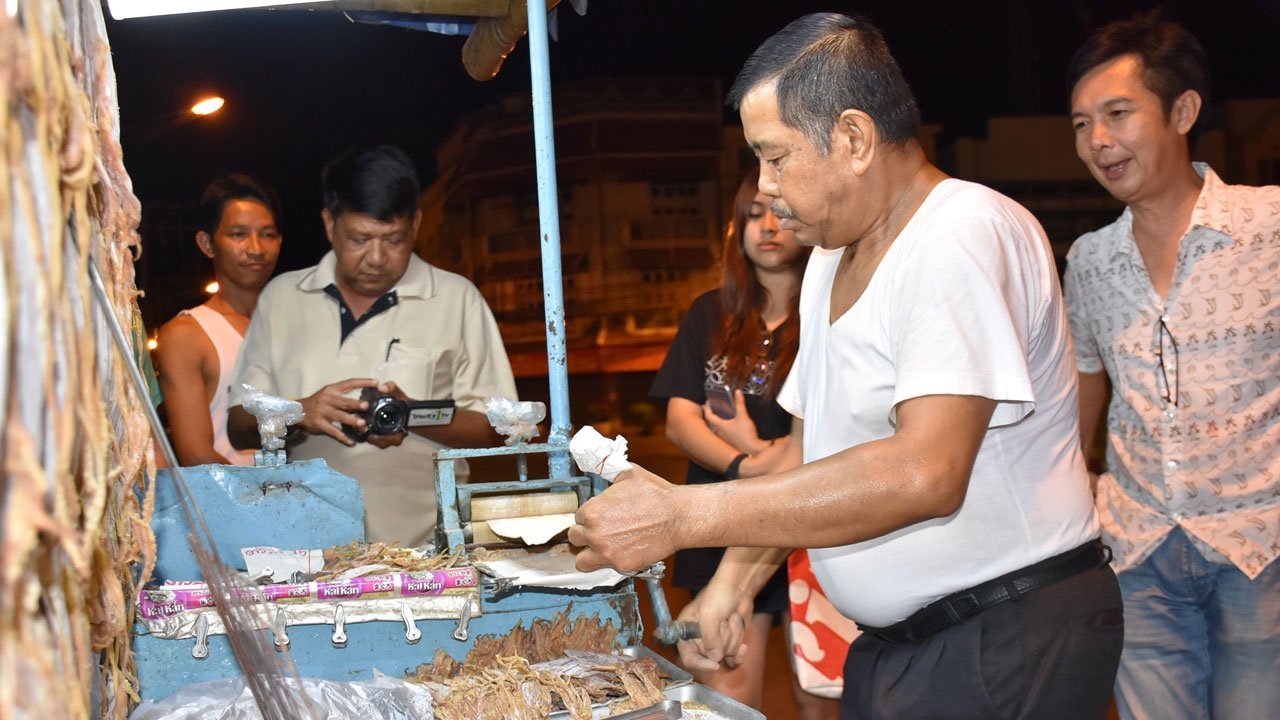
<point x="197" y="349"/>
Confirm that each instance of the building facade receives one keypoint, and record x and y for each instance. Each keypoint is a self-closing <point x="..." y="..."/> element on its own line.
<point x="643" y="172"/>
<point x="646" y="170"/>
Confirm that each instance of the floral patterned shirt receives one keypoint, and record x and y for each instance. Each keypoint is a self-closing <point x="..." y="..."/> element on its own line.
<point x="1193" y="426"/>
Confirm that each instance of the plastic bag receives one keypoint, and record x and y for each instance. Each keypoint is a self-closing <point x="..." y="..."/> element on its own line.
<point x="819" y="634"/>
<point x="597" y="454"/>
<point x="274" y="414"/>
<point x="383" y="698"/>
<point x="517" y="420"/>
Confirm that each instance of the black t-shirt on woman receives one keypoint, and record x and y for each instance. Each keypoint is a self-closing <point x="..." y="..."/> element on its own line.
<point x="689" y="364"/>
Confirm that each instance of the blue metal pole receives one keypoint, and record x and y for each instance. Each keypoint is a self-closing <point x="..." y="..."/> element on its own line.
<point x="549" y="226"/>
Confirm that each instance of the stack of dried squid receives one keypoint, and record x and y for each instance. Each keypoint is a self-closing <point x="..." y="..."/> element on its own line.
<point x="381" y="557"/>
<point x="557" y="664"/>
<point x="75" y="491"/>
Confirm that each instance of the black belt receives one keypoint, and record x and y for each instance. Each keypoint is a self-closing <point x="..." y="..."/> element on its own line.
<point x="960" y="606"/>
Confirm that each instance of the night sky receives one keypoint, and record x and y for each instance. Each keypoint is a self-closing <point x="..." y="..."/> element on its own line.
<point x="302" y="86"/>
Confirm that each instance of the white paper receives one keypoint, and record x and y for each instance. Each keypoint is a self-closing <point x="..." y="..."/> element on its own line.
<point x="552" y="569"/>
<point x="597" y="454"/>
<point x="282" y="564"/>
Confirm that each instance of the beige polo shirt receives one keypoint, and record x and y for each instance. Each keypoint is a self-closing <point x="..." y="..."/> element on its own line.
<point x="438" y="341"/>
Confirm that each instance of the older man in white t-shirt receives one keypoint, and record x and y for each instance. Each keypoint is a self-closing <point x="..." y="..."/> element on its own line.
<point x="944" y="493"/>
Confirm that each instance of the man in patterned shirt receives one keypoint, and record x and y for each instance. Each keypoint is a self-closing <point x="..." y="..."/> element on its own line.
<point x="1175" y="305"/>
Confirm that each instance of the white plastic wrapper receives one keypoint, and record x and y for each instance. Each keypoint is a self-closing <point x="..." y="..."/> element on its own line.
<point x="517" y="420"/>
<point x="597" y="454"/>
<point x="382" y="698"/>
<point x="274" y="414"/>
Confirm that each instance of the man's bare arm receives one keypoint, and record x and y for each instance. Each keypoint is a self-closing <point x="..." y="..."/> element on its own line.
<point x="1093" y="397"/>
<point x="183" y="352"/>
<point x="469" y="429"/>
<point x="242" y="429"/>
<point x="919" y="473"/>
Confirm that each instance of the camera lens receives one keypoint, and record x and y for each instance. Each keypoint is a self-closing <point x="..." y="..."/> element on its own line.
<point x="387" y="418"/>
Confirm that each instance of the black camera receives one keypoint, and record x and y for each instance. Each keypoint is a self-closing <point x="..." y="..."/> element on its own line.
<point x="388" y="415"/>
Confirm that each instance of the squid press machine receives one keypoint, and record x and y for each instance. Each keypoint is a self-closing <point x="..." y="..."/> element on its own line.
<point x="344" y="628"/>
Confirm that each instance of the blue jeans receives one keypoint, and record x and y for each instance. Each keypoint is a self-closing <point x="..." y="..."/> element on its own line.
<point x="1201" y="640"/>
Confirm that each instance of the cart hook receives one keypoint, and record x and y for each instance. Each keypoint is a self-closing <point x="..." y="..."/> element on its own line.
<point x="464" y="617"/>
<point x="339" y="627"/>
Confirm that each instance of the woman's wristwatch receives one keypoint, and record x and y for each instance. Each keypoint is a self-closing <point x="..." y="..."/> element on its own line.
<point x="731" y="472"/>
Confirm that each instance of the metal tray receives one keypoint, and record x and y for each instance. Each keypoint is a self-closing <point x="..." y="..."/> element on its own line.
<point x="678" y="675"/>
<point x="710" y="705"/>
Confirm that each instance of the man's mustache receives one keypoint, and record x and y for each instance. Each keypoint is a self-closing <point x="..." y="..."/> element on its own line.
<point x="781" y="212"/>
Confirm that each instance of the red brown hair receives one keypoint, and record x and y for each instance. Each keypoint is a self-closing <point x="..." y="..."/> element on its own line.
<point x="741" y="299"/>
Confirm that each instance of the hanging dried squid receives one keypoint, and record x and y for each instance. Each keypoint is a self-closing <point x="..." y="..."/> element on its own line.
<point x="75" y="500"/>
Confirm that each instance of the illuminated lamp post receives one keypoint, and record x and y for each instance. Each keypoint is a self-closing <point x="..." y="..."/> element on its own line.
<point x="208" y="106"/>
<point x="156" y="127"/>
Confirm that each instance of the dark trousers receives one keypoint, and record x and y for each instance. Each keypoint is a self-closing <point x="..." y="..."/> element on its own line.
<point x="1049" y="654"/>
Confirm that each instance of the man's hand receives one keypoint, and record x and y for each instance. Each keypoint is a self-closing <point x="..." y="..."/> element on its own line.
<point x="629" y="526"/>
<point x="329" y="408"/>
<point x="390" y="388"/>
<point x="722" y="612"/>
<point x="386" y="441"/>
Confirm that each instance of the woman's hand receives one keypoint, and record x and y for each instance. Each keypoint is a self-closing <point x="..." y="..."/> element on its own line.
<point x="740" y="431"/>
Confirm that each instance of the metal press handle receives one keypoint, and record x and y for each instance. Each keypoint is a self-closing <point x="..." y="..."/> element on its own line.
<point x="678" y="631"/>
<point x="460" y="632"/>
<point x="282" y="630"/>
<point x="411" y="632"/>
<point x="339" y="627"/>
<point x="668" y="631"/>
<point x="201" y="650"/>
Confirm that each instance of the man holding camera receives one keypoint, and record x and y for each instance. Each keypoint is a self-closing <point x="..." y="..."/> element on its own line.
<point x="372" y="315"/>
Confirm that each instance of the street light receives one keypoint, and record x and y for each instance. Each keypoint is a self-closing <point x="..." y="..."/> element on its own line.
<point x="155" y="127"/>
<point x="208" y="106"/>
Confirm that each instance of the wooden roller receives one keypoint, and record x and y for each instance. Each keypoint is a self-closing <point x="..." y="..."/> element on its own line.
<point x="480" y="533"/>
<point x="497" y="507"/>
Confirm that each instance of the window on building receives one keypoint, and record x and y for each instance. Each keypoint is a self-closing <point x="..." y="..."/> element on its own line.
<point x="675" y="199"/>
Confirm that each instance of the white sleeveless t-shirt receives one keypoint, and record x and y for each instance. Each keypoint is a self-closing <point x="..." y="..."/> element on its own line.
<point x="226" y="341"/>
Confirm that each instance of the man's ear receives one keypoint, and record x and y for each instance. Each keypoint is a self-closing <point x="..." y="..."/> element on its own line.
<point x="205" y="243"/>
<point x="327" y="218"/>
<point x="855" y="138"/>
<point x="1185" y="111"/>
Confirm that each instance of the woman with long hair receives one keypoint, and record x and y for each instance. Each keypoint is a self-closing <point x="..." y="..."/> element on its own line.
<point x="719" y="379"/>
